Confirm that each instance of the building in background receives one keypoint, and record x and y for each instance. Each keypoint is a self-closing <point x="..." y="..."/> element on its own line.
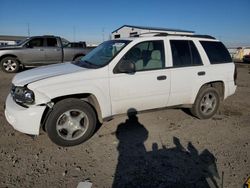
<point x="130" y="31"/>
<point x="10" y="40"/>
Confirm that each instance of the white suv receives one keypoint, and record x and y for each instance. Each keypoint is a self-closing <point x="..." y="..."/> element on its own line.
<point x="138" y="73"/>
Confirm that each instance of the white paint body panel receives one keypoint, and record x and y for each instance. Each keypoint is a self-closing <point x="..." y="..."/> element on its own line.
<point x="26" y="120"/>
<point x="140" y="91"/>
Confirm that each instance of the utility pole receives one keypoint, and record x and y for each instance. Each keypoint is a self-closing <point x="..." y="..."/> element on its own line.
<point x="103" y="34"/>
<point x="28" y="25"/>
<point x="74" y="33"/>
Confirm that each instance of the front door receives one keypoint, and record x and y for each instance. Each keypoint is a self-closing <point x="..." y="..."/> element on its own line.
<point x="33" y="52"/>
<point x="148" y="87"/>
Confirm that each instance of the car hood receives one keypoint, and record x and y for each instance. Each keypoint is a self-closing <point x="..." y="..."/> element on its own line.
<point x="40" y="73"/>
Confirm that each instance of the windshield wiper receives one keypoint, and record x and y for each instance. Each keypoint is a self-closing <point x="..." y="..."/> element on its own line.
<point x="91" y="64"/>
<point x="86" y="64"/>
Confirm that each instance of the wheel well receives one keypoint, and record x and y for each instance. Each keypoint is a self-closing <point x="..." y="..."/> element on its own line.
<point x="87" y="97"/>
<point x="218" y="85"/>
<point x="8" y="55"/>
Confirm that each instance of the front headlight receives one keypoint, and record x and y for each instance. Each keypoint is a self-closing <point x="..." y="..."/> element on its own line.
<point x="22" y="95"/>
<point x="29" y="96"/>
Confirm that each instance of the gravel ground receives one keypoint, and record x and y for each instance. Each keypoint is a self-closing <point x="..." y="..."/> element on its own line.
<point x="167" y="148"/>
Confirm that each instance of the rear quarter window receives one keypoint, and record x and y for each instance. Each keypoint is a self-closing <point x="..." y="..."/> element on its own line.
<point x="216" y="52"/>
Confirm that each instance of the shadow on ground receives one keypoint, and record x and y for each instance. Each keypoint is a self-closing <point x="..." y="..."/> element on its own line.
<point x="165" y="167"/>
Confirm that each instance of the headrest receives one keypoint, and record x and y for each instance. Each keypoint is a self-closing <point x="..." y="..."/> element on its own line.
<point x="156" y="54"/>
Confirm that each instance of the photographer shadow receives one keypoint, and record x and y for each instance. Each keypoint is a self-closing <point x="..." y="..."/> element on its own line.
<point x="165" y="167"/>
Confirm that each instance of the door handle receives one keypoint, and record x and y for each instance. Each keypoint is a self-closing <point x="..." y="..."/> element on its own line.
<point x="41" y="49"/>
<point x="201" y="73"/>
<point x="161" y="77"/>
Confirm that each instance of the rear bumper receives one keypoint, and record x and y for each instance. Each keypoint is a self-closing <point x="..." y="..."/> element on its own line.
<point x="231" y="89"/>
<point x="25" y="120"/>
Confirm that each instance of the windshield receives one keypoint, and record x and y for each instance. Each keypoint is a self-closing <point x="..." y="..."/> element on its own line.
<point x="103" y="54"/>
<point x="22" y="42"/>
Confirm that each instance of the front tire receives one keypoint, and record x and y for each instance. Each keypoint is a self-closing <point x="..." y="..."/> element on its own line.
<point x="10" y="64"/>
<point x="206" y="103"/>
<point x="71" y="122"/>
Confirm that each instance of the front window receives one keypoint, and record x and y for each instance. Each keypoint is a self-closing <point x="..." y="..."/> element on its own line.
<point x="103" y="54"/>
<point x="23" y="41"/>
<point x="147" y="55"/>
<point x="36" y="42"/>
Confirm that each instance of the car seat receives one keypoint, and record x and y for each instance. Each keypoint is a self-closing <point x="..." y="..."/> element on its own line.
<point x="155" y="62"/>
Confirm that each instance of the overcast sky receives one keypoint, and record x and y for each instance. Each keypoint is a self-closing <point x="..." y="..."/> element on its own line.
<point x="94" y="20"/>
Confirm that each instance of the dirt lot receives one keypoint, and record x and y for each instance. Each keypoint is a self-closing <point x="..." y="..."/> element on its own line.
<point x="167" y="148"/>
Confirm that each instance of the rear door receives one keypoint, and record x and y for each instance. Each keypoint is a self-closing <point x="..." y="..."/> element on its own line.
<point x="53" y="50"/>
<point x="187" y="72"/>
<point x="148" y="87"/>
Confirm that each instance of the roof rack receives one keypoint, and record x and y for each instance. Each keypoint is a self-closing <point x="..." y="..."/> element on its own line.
<point x="194" y="36"/>
<point x="48" y="35"/>
<point x="158" y="34"/>
<point x="147" y="33"/>
<point x="204" y="36"/>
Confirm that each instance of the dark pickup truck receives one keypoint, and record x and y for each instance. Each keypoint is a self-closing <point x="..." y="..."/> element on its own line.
<point x="40" y="50"/>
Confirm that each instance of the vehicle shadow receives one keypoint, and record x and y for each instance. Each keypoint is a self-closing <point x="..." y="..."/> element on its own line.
<point x="165" y="167"/>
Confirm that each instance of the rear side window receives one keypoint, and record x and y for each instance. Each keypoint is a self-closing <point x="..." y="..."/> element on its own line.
<point x="51" y="42"/>
<point x="184" y="53"/>
<point x="216" y="52"/>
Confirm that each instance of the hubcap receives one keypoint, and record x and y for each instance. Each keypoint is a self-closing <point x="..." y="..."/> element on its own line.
<point x="9" y="65"/>
<point x="208" y="103"/>
<point x="72" y="124"/>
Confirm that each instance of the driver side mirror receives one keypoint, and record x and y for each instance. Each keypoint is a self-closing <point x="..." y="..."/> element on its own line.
<point x="126" y="67"/>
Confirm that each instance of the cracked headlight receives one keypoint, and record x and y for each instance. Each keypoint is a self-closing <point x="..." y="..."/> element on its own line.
<point x="22" y="95"/>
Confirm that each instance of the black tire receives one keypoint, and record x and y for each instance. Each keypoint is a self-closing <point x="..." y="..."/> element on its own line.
<point x="206" y="103"/>
<point x="10" y="64"/>
<point x="71" y="122"/>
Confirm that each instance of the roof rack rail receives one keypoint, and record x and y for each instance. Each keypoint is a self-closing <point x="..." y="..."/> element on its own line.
<point x="146" y="33"/>
<point x="204" y="36"/>
<point x="48" y="35"/>
<point x="160" y="34"/>
<point x="194" y="36"/>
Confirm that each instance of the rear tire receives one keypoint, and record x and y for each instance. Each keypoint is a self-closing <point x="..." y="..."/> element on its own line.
<point x="71" y="122"/>
<point x="10" y="64"/>
<point x="206" y="103"/>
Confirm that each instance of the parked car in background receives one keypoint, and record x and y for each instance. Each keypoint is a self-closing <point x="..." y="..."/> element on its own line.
<point x="40" y="50"/>
<point x="77" y="45"/>
<point x="246" y="58"/>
